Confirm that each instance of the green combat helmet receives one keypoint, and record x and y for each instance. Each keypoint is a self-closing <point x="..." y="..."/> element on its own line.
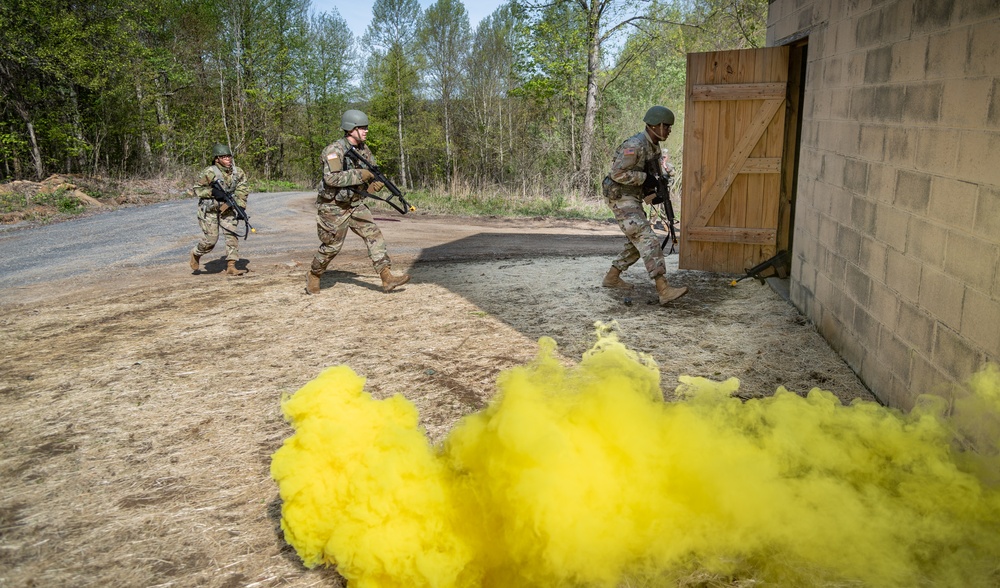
<point x="352" y="119"/>
<point x="220" y="150"/>
<point x="658" y="115"/>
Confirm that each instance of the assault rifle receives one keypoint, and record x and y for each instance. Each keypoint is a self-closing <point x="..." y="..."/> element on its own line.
<point x="359" y="159"/>
<point x="663" y="182"/>
<point x="228" y="199"/>
<point x="777" y="267"/>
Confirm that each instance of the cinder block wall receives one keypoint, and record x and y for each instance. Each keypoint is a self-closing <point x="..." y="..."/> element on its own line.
<point x="897" y="220"/>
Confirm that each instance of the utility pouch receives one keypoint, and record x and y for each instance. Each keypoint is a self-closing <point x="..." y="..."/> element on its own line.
<point x="208" y="205"/>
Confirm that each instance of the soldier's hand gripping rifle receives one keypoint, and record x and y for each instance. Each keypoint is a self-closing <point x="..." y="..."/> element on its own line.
<point x="663" y="182"/>
<point x="229" y="200"/>
<point x="359" y="159"/>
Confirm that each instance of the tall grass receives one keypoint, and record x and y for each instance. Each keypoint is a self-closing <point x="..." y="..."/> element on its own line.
<point x="530" y="200"/>
<point x="276" y="186"/>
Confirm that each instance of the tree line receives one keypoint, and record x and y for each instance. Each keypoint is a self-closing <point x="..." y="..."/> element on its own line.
<point x="532" y="100"/>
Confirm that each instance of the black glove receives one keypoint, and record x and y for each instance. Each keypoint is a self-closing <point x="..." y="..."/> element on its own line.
<point x="218" y="193"/>
<point x="649" y="184"/>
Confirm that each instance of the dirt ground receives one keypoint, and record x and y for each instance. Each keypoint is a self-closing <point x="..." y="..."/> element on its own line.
<point x="141" y="408"/>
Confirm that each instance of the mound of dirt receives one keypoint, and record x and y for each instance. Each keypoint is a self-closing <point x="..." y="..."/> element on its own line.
<point x="39" y="202"/>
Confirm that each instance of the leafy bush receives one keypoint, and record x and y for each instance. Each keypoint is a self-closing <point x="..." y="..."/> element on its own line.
<point x="68" y="204"/>
<point x="12" y="201"/>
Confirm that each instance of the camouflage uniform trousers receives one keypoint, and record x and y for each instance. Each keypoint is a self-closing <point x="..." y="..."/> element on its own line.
<point x="332" y="222"/>
<point x="210" y="222"/>
<point x="642" y="241"/>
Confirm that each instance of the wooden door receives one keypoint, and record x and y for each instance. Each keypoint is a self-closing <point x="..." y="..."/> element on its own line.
<point x="734" y="124"/>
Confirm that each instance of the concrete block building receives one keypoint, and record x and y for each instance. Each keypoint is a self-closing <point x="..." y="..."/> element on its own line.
<point x="896" y="234"/>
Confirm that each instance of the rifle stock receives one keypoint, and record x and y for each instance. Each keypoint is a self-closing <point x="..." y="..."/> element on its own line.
<point x="359" y="159"/>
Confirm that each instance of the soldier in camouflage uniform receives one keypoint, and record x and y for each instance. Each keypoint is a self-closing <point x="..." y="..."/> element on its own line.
<point x="214" y="215"/>
<point x="631" y="179"/>
<point x="341" y="205"/>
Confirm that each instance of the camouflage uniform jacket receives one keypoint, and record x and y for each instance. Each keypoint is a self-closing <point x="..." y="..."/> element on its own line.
<point x="341" y="173"/>
<point x="635" y="157"/>
<point x="234" y="182"/>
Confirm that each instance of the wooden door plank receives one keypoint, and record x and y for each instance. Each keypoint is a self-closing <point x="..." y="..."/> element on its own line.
<point x="738" y="191"/>
<point x="761" y="165"/>
<point x="710" y="119"/>
<point x="775" y="145"/>
<point x="727" y="73"/>
<point x="756" y="129"/>
<point x="740" y="235"/>
<point x="755" y="183"/>
<point x="764" y="91"/>
<point x="694" y="130"/>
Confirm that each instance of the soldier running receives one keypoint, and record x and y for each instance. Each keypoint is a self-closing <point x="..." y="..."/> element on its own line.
<point x="630" y="180"/>
<point x="341" y="205"/>
<point x="213" y="215"/>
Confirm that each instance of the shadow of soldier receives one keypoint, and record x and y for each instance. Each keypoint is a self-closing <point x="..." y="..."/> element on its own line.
<point x="331" y="278"/>
<point x="219" y="266"/>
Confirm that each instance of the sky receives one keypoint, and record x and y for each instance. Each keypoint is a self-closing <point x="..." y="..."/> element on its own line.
<point x="358" y="13"/>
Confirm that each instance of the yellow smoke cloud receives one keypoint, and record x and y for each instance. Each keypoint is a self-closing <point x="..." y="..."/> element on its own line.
<point x="583" y="476"/>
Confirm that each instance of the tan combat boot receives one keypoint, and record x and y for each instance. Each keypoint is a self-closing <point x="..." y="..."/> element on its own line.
<point x="231" y="269"/>
<point x="312" y="283"/>
<point x="614" y="280"/>
<point x="389" y="281"/>
<point x="194" y="261"/>
<point x="667" y="292"/>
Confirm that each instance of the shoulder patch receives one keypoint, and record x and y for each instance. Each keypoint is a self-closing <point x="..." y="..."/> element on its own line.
<point x="332" y="156"/>
<point x="628" y="151"/>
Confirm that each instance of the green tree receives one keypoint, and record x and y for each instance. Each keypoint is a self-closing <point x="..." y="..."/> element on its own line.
<point x="392" y="36"/>
<point x="261" y="58"/>
<point x="391" y="80"/>
<point x="283" y="40"/>
<point x="657" y="59"/>
<point x="327" y="83"/>
<point x="490" y="114"/>
<point x="444" y="37"/>
<point x="59" y="62"/>
<point x="557" y="75"/>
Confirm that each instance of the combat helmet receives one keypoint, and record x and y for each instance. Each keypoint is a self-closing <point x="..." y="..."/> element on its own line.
<point x="658" y="115"/>
<point x="352" y="119"/>
<point x="220" y="150"/>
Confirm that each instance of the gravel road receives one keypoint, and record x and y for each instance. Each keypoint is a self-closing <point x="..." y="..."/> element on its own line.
<point x="104" y="246"/>
<point x="142" y="236"/>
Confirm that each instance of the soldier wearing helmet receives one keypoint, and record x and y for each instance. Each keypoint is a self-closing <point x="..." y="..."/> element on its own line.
<point x="340" y="205"/>
<point x="632" y="178"/>
<point x="214" y="216"/>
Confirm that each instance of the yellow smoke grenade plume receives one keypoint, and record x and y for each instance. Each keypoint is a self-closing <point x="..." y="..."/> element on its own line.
<point x="360" y="487"/>
<point x="583" y="476"/>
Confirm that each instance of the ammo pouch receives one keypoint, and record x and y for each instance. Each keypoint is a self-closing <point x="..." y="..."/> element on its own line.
<point x="208" y="205"/>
